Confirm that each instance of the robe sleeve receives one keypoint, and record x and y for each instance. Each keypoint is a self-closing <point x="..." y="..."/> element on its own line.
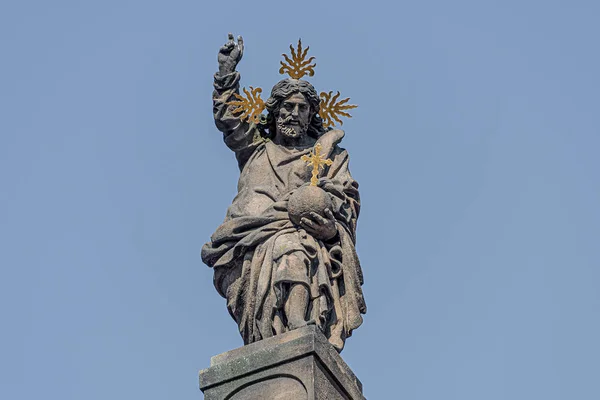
<point x="344" y="188"/>
<point x="238" y="135"/>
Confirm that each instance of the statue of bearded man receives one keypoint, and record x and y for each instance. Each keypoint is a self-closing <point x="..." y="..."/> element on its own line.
<point x="278" y="275"/>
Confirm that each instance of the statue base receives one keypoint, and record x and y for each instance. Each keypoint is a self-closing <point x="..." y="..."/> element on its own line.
<point x="300" y="364"/>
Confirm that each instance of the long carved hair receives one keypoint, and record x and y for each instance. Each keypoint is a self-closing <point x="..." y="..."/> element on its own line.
<point x="285" y="88"/>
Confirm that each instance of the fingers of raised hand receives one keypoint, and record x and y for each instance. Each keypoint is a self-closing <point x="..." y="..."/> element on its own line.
<point x="227" y="47"/>
<point x="240" y="43"/>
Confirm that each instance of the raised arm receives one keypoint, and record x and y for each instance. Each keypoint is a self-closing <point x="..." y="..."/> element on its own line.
<point x="238" y="135"/>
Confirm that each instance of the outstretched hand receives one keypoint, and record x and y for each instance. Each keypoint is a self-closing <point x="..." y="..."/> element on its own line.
<point x="320" y="227"/>
<point x="230" y="55"/>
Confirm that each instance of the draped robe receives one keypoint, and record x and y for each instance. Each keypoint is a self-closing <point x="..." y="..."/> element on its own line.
<point x="248" y="251"/>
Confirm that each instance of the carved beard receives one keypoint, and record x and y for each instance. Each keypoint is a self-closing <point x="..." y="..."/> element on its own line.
<point x="291" y="131"/>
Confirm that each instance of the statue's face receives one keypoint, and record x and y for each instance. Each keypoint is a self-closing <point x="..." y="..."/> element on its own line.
<point x="294" y="118"/>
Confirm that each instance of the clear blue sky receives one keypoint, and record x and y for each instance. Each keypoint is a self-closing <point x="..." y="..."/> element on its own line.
<point x="476" y="146"/>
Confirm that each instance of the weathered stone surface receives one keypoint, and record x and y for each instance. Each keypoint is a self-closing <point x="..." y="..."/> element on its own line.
<point x="300" y="364"/>
<point x="285" y="256"/>
<point x="306" y="200"/>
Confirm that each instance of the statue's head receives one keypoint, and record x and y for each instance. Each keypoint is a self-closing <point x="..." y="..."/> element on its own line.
<point x="294" y="110"/>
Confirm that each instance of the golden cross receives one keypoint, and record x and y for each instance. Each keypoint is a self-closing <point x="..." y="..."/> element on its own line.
<point x="317" y="162"/>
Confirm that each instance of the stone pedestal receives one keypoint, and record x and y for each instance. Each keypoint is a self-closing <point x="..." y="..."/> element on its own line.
<point x="296" y="365"/>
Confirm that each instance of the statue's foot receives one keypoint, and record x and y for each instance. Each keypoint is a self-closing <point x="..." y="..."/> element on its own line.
<point x="300" y="324"/>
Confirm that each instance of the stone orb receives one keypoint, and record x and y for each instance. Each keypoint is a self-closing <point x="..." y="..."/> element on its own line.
<point x="307" y="199"/>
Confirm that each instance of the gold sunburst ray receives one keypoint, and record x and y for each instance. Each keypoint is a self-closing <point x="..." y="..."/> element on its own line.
<point x="331" y="109"/>
<point x="298" y="66"/>
<point x="250" y="106"/>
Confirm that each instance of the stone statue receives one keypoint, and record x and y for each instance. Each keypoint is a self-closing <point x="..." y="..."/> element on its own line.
<point x="285" y="255"/>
